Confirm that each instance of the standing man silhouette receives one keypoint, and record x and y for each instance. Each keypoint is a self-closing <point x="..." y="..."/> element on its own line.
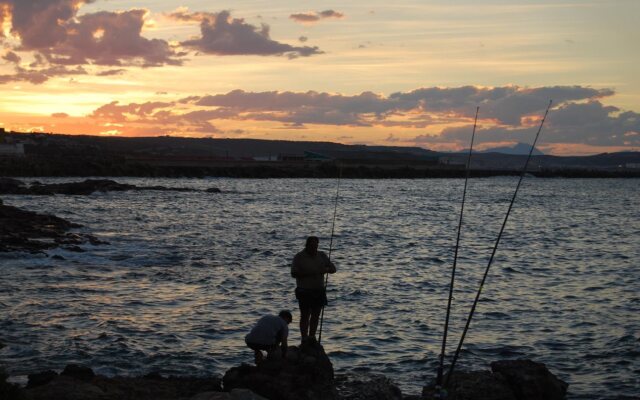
<point x="309" y="267"/>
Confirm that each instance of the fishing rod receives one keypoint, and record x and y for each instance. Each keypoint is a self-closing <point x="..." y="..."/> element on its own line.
<point x="333" y="226"/>
<point x="495" y="248"/>
<point x="455" y="257"/>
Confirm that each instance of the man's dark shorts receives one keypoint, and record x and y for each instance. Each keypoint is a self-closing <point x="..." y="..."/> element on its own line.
<point x="258" y="347"/>
<point x="311" y="298"/>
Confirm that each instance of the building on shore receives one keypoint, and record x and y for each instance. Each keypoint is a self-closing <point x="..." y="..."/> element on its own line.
<point x="11" y="150"/>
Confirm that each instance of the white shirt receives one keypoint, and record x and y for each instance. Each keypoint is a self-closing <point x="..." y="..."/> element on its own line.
<point x="269" y="330"/>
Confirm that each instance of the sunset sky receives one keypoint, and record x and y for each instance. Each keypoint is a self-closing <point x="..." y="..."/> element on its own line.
<point x="401" y="73"/>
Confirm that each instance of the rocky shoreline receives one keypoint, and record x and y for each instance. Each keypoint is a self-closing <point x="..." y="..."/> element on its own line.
<point x="86" y="187"/>
<point x="306" y="373"/>
<point x="22" y="230"/>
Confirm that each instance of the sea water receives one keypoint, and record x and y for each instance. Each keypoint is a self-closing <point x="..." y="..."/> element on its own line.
<point x="186" y="274"/>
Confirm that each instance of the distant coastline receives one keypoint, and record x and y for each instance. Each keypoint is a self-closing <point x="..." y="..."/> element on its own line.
<point x="50" y="155"/>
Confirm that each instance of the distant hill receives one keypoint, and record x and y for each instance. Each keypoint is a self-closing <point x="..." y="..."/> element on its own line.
<point x="517" y="149"/>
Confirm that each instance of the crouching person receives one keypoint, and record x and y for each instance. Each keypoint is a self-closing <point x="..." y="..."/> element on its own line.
<point x="268" y="334"/>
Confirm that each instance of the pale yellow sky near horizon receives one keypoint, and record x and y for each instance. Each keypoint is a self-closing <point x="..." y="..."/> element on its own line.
<point x="514" y="53"/>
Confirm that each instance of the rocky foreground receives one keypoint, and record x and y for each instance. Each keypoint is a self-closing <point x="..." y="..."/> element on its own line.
<point x="305" y="374"/>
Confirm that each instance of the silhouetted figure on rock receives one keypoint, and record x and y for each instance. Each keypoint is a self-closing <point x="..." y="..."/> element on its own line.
<point x="309" y="267"/>
<point x="268" y="334"/>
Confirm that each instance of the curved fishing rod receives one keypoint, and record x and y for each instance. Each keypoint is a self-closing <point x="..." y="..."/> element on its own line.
<point x="455" y="257"/>
<point x="333" y="226"/>
<point x="495" y="248"/>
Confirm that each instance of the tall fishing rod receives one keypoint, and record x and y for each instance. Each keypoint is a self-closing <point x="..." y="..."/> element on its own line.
<point x="333" y="226"/>
<point x="495" y="248"/>
<point x="455" y="257"/>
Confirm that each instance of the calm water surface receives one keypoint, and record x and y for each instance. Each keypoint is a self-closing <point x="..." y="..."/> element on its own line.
<point x="186" y="274"/>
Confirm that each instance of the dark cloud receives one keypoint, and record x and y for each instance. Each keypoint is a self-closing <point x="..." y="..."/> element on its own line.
<point x="129" y="112"/>
<point x="12" y="57"/>
<point x="159" y="113"/>
<point x="60" y="115"/>
<point x="366" y="102"/>
<point x="39" y="76"/>
<point x="111" y="39"/>
<point x="505" y="104"/>
<point x="111" y="72"/>
<point x="311" y="17"/>
<point x="40" y="23"/>
<point x="223" y="35"/>
<point x="589" y="123"/>
<point x="305" y="17"/>
<point x="53" y="29"/>
<point x="303" y="39"/>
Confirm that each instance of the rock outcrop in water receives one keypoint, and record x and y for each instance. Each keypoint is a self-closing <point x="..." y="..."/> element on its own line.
<point x="307" y="374"/>
<point x="86" y="187"/>
<point x="22" y="230"/>
<point x="507" y="380"/>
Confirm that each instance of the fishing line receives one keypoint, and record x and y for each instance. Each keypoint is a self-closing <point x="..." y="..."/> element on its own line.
<point x="455" y="257"/>
<point x="495" y="248"/>
<point x="333" y="226"/>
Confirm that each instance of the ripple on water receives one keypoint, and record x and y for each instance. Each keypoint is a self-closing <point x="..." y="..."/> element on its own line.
<point x="185" y="277"/>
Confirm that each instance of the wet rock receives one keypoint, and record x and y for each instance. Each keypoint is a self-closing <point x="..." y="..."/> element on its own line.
<point x="11" y="186"/>
<point x="79" y="372"/>
<point x="79" y="383"/>
<point x="41" y="378"/>
<point x="9" y="391"/>
<point x="366" y="387"/>
<point x="81" y="188"/>
<point x="22" y="230"/>
<point x="508" y="380"/>
<point x="75" y="249"/>
<point x="235" y="394"/>
<point x="530" y="380"/>
<point x="213" y="190"/>
<point x="305" y="373"/>
<point x="66" y="388"/>
<point x="475" y="385"/>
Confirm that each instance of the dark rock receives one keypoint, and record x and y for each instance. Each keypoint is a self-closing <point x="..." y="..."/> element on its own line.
<point x="79" y="372"/>
<point x="82" y="188"/>
<point x="476" y="385"/>
<point x="366" y="387"/>
<point x="11" y="186"/>
<point x="75" y="249"/>
<point x="77" y="383"/>
<point x="67" y="388"/>
<point x="22" y="230"/>
<point x="156" y="388"/>
<point x="235" y="394"/>
<point x="530" y="380"/>
<point x="213" y="190"/>
<point x="305" y="373"/>
<point x="41" y="378"/>
<point x="9" y="391"/>
<point x="510" y="380"/>
<point x="151" y="375"/>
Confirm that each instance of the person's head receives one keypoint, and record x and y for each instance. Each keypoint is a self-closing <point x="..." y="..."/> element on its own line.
<point x="312" y="245"/>
<point x="286" y="315"/>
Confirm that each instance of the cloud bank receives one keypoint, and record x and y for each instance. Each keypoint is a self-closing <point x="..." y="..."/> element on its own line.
<point x="507" y="114"/>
